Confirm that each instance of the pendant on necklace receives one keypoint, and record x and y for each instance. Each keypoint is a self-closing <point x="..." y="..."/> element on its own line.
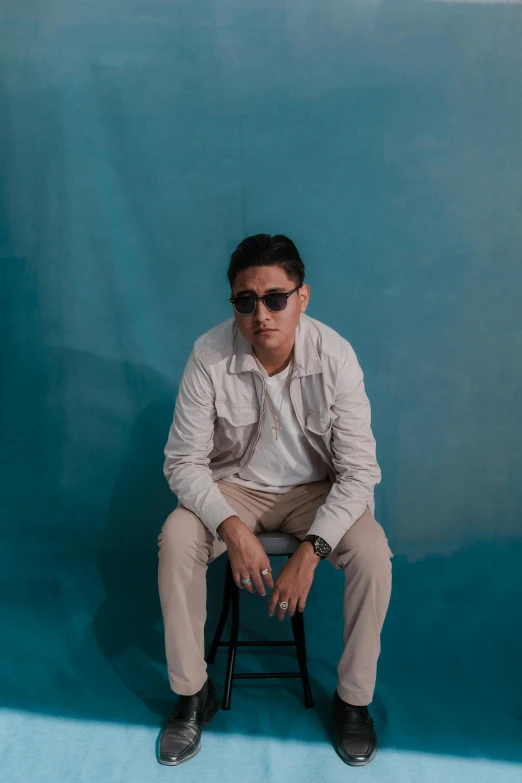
<point x="277" y="427"/>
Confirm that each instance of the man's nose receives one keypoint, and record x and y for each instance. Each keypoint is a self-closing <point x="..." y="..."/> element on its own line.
<point x="261" y="309"/>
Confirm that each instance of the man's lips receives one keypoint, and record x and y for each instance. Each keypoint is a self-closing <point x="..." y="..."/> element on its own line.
<point x="265" y="331"/>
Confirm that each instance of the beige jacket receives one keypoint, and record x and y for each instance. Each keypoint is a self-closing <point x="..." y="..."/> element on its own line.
<point x="218" y="412"/>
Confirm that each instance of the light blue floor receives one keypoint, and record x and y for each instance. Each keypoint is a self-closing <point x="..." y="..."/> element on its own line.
<point x="42" y="748"/>
<point x="84" y="690"/>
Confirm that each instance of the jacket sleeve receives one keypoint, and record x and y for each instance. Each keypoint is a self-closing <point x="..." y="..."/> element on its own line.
<point x="189" y="444"/>
<point x="354" y="456"/>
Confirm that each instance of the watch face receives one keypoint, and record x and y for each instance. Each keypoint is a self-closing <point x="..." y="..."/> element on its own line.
<point x="322" y="547"/>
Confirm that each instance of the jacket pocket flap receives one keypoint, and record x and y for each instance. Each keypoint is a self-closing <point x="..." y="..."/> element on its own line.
<point x="237" y="416"/>
<point x="319" y="423"/>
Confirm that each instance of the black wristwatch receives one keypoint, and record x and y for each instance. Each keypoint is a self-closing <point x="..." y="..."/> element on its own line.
<point x="321" y="547"/>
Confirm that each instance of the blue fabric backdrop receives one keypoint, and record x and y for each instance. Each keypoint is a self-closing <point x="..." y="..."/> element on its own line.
<point x="139" y="142"/>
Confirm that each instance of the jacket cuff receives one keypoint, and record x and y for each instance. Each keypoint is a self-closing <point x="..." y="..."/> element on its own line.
<point x="214" y="514"/>
<point x="328" y="529"/>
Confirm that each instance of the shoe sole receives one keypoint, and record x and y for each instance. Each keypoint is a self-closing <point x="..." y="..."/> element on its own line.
<point x="195" y="752"/>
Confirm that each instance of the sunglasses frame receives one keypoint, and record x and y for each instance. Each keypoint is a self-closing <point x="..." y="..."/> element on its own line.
<point x="256" y="299"/>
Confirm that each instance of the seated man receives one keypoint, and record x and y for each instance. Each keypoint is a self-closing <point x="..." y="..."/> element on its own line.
<point x="271" y="431"/>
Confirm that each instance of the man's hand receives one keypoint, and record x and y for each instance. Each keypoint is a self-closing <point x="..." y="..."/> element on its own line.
<point x="246" y="554"/>
<point x="294" y="581"/>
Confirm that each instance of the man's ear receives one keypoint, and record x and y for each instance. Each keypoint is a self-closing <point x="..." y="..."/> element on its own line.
<point x="306" y="298"/>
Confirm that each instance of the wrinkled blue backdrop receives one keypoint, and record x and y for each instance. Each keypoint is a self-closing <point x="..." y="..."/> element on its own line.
<point x="139" y="142"/>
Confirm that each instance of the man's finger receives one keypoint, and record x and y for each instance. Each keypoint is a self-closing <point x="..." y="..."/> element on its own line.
<point x="273" y="602"/>
<point x="268" y="579"/>
<point x="292" y="605"/>
<point x="282" y="611"/>
<point x="247" y="586"/>
<point x="258" y="581"/>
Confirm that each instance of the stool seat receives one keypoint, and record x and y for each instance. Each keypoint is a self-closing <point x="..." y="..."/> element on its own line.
<point x="274" y="544"/>
<point x="279" y="543"/>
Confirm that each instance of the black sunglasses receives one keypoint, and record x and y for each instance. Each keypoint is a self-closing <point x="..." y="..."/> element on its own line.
<point x="246" y="305"/>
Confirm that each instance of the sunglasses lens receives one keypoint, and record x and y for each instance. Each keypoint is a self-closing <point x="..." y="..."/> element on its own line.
<point x="276" y="302"/>
<point x="245" y="305"/>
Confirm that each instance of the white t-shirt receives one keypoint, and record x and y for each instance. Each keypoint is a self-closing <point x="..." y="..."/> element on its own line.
<point x="289" y="459"/>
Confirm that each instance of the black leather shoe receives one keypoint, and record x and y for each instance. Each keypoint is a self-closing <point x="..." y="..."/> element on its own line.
<point x="180" y="740"/>
<point x="355" y="737"/>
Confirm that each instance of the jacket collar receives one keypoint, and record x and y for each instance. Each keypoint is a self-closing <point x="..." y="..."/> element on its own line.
<point x="306" y="358"/>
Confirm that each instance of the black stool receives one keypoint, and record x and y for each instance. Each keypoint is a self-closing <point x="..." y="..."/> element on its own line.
<point x="274" y="544"/>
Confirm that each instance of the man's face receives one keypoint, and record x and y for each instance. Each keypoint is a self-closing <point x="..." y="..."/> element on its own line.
<point x="281" y="326"/>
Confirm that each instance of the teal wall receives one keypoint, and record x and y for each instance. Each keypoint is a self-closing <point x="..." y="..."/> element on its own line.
<point x="139" y="142"/>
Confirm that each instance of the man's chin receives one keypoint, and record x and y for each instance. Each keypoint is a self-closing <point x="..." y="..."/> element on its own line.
<point x="269" y="337"/>
<point x="265" y="340"/>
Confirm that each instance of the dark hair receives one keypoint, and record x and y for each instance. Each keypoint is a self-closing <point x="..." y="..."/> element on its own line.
<point x="266" y="250"/>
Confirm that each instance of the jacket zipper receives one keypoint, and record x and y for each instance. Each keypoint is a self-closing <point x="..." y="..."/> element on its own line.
<point x="260" y="421"/>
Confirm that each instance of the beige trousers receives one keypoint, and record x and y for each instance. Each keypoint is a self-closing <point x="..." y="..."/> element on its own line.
<point x="186" y="547"/>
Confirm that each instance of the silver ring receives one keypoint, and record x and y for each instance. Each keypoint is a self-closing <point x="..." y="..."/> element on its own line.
<point x="245" y="581"/>
<point x="266" y="570"/>
<point x="283" y="604"/>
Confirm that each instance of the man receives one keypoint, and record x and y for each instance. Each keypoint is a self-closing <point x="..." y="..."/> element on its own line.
<point x="271" y="431"/>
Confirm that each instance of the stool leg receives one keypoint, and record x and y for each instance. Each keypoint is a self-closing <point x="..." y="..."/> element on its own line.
<point x="300" y="642"/>
<point x="233" y="640"/>
<point x="227" y="597"/>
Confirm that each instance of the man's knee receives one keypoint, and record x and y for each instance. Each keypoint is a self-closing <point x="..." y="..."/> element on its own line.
<point x="364" y="547"/>
<point x="182" y="534"/>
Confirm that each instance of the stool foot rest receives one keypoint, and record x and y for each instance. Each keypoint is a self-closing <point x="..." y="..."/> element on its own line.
<point x="259" y="644"/>
<point x="265" y="675"/>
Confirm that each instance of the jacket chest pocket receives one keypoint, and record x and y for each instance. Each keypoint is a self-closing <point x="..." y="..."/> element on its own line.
<point x="318" y="423"/>
<point x="320" y="427"/>
<point x="234" y="426"/>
